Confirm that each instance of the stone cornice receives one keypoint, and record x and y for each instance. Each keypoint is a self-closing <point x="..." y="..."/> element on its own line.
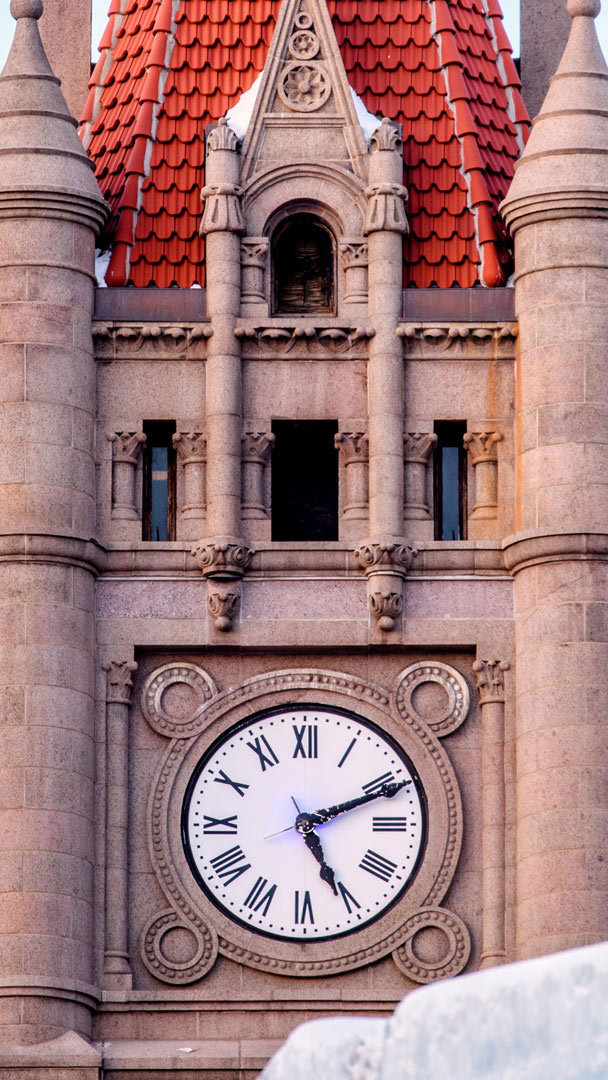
<point x="152" y="340"/>
<point x="540" y="546"/>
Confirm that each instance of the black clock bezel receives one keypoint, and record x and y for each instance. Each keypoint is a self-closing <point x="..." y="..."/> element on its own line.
<point x="277" y="710"/>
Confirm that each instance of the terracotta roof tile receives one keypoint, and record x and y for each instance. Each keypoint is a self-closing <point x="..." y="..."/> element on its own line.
<point x="444" y="70"/>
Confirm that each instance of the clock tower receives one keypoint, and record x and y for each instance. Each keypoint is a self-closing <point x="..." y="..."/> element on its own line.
<point x="304" y="646"/>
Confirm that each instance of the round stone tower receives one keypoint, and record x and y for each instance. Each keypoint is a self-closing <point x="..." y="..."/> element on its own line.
<point x="557" y="209"/>
<point x="50" y="210"/>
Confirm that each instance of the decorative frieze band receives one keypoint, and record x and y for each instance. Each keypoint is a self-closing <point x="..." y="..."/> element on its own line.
<point x="460" y="338"/>
<point x="161" y="340"/>
<point x="305" y="340"/>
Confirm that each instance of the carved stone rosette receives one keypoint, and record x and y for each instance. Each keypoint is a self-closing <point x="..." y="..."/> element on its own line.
<point x="355" y="259"/>
<point x="386" y="561"/>
<point x="191" y="449"/>
<point x="254" y="256"/>
<point x="417" y="450"/>
<point x="119" y="687"/>
<point x="126" y="451"/>
<point x="489" y="677"/>
<point x="256" y="447"/>
<point x="353" y="447"/>
<point x="203" y="930"/>
<point x="481" y="446"/>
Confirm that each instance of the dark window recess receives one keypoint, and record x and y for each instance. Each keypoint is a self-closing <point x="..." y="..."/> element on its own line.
<point x="158" y="519"/>
<point x="305" y="480"/>
<point x="450" y="476"/>
<point x="303" y="267"/>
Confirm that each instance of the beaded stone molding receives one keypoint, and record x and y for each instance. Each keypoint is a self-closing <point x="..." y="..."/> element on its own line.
<point x="179" y="944"/>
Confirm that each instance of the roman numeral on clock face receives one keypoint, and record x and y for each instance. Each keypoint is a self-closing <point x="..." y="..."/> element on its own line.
<point x="217" y="826"/>
<point x="223" y="778"/>
<point x="389" y="824"/>
<point x="302" y="908"/>
<point x="257" y="898"/>
<point x="307" y="741"/>
<point x="265" y="753"/>
<point x="348" y="898"/>
<point x="377" y="865"/>
<point x="375" y="785"/>
<point x="230" y="865"/>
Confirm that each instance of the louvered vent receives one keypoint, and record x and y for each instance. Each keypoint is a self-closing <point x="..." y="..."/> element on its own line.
<point x="303" y="265"/>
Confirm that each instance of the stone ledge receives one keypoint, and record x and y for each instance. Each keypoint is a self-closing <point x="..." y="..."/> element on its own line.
<point x="539" y="546"/>
<point x="186" y="1055"/>
<point x="69" y="1051"/>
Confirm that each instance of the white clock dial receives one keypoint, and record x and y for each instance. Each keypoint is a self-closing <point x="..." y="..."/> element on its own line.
<point x="343" y="865"/>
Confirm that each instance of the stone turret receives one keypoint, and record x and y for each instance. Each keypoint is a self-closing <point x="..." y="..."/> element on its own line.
<point x="50" y="210"/>
<point x="557" y="209"/>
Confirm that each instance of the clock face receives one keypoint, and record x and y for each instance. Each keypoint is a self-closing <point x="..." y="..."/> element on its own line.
<point x="343" y="865"/>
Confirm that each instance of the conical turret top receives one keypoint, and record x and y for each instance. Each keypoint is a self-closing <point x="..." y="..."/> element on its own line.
<point x="41" y="156"/>
<point x="564" y="168"/>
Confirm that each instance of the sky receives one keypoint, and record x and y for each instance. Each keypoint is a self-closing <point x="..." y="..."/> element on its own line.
<point x="100" y="7"/>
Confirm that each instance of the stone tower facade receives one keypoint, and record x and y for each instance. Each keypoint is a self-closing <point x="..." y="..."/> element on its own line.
<point x="276" y="521"/>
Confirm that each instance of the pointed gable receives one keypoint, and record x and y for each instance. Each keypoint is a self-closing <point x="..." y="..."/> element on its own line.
<point x="169" y="67"/>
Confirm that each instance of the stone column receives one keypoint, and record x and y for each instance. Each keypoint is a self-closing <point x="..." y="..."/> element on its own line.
<point x="481" y="446"/>
<point x="417" y="450"/>
<point x="117" y="967"/>
<point x="489" y="676"/>
<point x="50" y="211"/>
<point x="256" y="448"/>
<point x="126" y="451"/>
<point x="557" y="209"/>
<point x="385" y="556"/>
<point x="191" y="449"/>
<point x="354" y="449"/>
<point x="221" y="557"/>
<point x="254" y="256"/>
<point x="355" y="262"/>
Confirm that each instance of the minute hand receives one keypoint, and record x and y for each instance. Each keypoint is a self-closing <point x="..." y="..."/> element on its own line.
<point x="387" y="791"/>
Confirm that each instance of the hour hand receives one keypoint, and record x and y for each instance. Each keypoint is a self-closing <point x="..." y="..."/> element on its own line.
<point x="326" y="873"/>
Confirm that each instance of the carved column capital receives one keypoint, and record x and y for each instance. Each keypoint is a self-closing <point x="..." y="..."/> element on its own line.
<point x="386" y="209"/>
<point x="353" y="445"/>
<point x="355" y="252"/>
<point x="223" y="557"/>
<point x="127" y="446"/>
<point x="222" y="211"/>
<point x="119" y="684"/>
<point x="418" y="446"/>
<point x="254" y="251"/>
<point x="191" y="446"/>
<point x="481" y="445"/>
<point x="392" y="554"/>
<point x="489" y="679"/>
<point x="256" y="446"/>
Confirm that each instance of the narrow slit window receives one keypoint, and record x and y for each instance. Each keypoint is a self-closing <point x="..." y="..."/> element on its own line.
<point x="450" y="480"/>
<point x="305" y="480"/>
<point x="158" y="519"/>
<point x="303" y="267"/>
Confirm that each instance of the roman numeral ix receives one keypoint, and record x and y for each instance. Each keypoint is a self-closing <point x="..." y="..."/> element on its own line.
<point x="217" y="826"/>
<point x="307" y="742"/>
<point x="265" y="758"/>
<point x="230" y="865"/>
<point x="377" y="865"/>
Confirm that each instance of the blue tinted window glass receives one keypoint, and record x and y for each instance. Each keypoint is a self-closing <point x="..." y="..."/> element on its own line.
<point x="450" y="464"/>
<point x="159" y="484"/>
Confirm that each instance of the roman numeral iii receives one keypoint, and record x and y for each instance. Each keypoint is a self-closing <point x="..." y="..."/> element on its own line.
<point x="377" y="865"/>
<point x="265" y="753"/>
<point x="389" y="824"/>
<point x="307" y="741"/>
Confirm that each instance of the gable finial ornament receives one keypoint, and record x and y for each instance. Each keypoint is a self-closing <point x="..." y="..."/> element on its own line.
<point x="222" y="137"/>
<point x="386" y="137"/>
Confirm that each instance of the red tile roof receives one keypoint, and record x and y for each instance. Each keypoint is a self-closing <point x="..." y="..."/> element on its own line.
<point x="442" y="68"/>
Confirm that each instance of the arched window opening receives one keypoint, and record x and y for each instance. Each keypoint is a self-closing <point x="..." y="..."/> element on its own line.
<point x="303" y="267"/>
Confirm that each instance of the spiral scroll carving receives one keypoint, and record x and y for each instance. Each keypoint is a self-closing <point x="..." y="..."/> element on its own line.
<point x="452" y="682"/>
<point x="154" y="710"/>
<point x="198" y="951"/>
<point x="430" y="965"/>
